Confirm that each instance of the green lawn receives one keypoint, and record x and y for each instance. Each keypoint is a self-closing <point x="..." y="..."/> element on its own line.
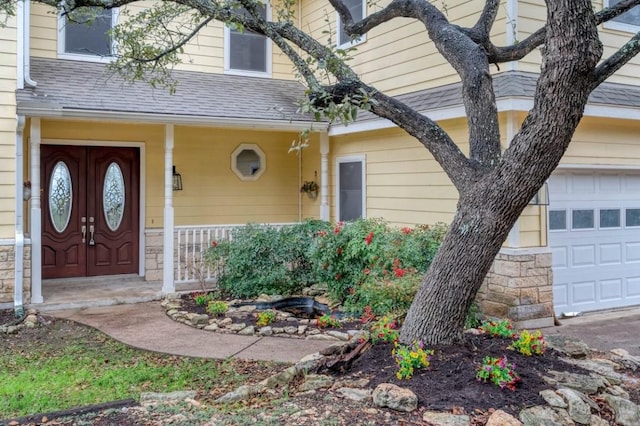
<point x="63" y="366"/>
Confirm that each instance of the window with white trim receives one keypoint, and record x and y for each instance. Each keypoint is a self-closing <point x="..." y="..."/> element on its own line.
<point x="351" y="188"/>
<point x="248" y="161"/>
<point x="85" y="35"/>
<point x="247" y="52"/>
<point x="357" y="9"/>
<point x="628" y="21"/>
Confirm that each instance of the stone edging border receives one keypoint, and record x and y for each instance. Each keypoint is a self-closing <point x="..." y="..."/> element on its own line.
<point x="299" y="328"/>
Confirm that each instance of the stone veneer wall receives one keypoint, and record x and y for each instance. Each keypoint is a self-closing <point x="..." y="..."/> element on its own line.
<point x="153" y="252"/>
<point x="519" y="286"/>
<point x="7" y="274"/>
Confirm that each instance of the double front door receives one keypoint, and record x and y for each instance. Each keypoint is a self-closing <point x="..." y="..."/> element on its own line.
<point x="90" y="211"/>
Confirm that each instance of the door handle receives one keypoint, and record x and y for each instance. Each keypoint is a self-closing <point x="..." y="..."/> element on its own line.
<point x="84" y="234"/>
<point x="91" y="241"/>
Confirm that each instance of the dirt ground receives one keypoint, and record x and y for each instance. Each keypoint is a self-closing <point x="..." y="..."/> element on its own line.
<point x="449" y="385"/>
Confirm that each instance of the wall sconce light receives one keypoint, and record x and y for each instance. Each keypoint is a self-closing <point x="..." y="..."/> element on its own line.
<point x="542" y="196"/>
<point x="177" y="180"/>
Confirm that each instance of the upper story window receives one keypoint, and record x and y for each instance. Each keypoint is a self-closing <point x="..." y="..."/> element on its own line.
<point x="247" y="52"/>
<point x="628" y="21"/>
<point x="357" y="9"/>
<point x="85" y="34"/>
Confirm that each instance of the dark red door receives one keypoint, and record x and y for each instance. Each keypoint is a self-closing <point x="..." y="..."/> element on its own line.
<point x="90" y="210"/>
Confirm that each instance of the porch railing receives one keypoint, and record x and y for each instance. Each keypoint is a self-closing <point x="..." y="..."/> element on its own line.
<point x="192" y="241"/>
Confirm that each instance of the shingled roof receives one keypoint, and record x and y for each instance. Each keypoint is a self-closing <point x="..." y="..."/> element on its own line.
<point x="85" y="86"/>
<point x="75" y="85"/>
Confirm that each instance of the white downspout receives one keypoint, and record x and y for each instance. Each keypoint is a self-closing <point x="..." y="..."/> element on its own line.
<point x="324" y="176"/>
<point x="18" y="303"/>
<point x="27" y="45"/>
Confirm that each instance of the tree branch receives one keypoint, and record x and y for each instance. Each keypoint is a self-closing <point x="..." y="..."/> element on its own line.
<point x="535" y="40"/>
<point x="616" y="61"/>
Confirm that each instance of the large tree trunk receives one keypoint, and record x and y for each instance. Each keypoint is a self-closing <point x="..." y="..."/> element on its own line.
<point x="489" y="207"/>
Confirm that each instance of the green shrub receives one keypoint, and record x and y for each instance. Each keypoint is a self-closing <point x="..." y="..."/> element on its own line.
<point x="385" y="295"/>
<point x="368" y="253"/>
<point x="262" y="259"/>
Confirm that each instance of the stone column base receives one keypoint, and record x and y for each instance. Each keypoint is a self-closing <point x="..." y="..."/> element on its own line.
<point x="8" y="271"/>
<point x="519" y="286"/>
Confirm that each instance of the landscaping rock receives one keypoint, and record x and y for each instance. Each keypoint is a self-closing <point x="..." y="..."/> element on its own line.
<point x="281" y="379"/>
<point x="573" y="347"/>
<point x="291" y="330"/>
<point x="225" y="321"/>
<point x="395" y="397"/>
<point x="354" y="383"/>
<point x="265" y="331"/>
<point x="553" y="399"/>
<point x="629" y="361"/>
<point x="237" y="327"/>
<point x="603" y="367"/>
<point x="355" y="394"/>
<point x="247" y="308"/>
<point x="316" y="381"/>
<point x="243" y="392"/>
<point x="437" y="418"/>
<point x="617" y="391"/>
<point x="309" y="362"/>
<point x="322" y="337"/>
<point x="627" y="413"/>
<point x="212" y="327"/>
<point x="247" y="331"/>
<point x="302" y="329"/>
<point x="543" y="416"/>
<point x="338" y="335"/>
<point x="501" y="418"/>
<point x="200" y="319"/>
<point x="578" y="410"/>
<point x="598" y="421"/>
<point x="586" y="384"/>
<point x="278" y="330"/>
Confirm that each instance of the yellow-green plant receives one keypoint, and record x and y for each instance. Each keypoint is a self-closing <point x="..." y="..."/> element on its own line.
<point x="409" y="358"/>
<point x="217" y="307"/>
<point x="528" y="343"/>
<point x="266" y="318"/>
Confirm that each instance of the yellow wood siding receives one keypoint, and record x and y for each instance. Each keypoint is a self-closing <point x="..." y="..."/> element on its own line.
<point x="212" y="193"/>
<point x="204" y="54"/>
<point x="599" y="141"/>
<point x="404" y="184"/>
<point x="8" y="77"/>
<point x="394" y="56"/>
<point x="532" y="16"/>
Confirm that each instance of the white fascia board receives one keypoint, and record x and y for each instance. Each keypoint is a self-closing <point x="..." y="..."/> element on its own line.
<point x="504" y="105"/>
<point x="245" y="123"/>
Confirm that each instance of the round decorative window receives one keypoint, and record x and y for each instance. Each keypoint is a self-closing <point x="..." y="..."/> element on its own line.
<point x="248" y="161"/>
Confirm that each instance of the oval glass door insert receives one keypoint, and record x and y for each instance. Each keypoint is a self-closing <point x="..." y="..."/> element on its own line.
<point x="60" y="196"/>
<point x="113" y="196"/>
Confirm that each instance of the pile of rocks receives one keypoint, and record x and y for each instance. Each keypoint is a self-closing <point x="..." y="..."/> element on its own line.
<point x="570" y="400"/>
<point x="236" y="320"/>
<point x="29" y="321"/>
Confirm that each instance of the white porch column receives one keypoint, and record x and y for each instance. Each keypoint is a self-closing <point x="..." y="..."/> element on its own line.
<point x="168" y="286"/>
<point x="36" y="214"/>
<point x="324" y="176"/>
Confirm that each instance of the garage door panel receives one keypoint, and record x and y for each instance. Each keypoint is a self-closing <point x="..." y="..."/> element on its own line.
<point x="611" y="290"/>
<point x="583" y="255"/>
<point x="561" y="294"/>
<point x="633" y="252"/>
<point x="583" y="292"/>
<point x="633" y="287"/>
<point x="559" y="257"/>
<point x="610" y="254"/>
<point x="594" y="235"/>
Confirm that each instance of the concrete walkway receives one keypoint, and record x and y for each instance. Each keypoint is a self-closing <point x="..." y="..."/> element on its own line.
<point x="146" y="326"/>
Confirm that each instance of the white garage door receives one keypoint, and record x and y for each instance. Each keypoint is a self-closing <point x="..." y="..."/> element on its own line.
<point x="594" y="234"/>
